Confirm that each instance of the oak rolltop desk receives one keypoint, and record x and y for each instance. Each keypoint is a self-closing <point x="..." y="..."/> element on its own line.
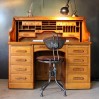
<point x="25" y="44"/>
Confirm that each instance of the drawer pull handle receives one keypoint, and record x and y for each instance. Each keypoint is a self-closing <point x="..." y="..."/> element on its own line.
<point x="22" y="60"/>
<point x="78" y="60"/>
<point x="78" y="51"/>
<point x="21" y="78"/>
<point x="78" y="69"/>
<point x="78" y="78"/>
<point x="21" y="51"/>
<point x="21" y="69"/>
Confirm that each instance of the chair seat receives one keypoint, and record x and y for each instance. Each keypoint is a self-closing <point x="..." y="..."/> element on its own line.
<point x="50" y="58"/>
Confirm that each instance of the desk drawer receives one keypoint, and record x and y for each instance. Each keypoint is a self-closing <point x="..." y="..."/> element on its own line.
<point x="77" y="78"/>
<point x="20" y="78"/>
<point x="77" y="69"/>
<point x="21" y="69"/>
<point x="20" y="50"/>
<point x="78" y="50"/>
<point x="43" y="47"/>
<point x="82" y="60"/>
<point x="21" y="60"/>
<point x="40" y="48"/>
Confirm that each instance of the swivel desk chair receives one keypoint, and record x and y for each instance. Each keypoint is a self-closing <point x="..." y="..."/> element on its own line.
<point x="53" y="43"/>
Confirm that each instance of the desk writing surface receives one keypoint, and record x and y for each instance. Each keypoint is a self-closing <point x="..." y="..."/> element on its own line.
<point x="33" y="43"/>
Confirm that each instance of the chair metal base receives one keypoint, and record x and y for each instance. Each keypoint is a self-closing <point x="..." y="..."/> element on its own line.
<point x="52" y="73"/>
<point x="59" y="84"/>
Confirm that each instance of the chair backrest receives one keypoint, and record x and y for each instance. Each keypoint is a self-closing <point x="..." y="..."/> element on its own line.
<point x="54" y="42"/>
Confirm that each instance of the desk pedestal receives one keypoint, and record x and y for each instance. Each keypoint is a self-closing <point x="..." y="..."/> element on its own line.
<point x="23" y="68"/>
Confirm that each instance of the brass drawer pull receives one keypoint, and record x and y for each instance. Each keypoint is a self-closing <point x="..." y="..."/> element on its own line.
<point x="78" y="51"/>
<point x="21" y="78"/>
<point x="21" y="69"/>
<point x="78" y="69"/>
<point x="78" y="60"/>
<point x="78" y="78"/>
<point x="21" y="51"/>
<point x="22" y="60"/>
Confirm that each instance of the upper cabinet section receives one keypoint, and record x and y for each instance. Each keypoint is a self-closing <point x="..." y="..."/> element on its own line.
<point x="31" y="28"/>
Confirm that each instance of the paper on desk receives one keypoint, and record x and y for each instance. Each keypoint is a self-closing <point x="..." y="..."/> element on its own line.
<point x="67" y="40"/>
<point x="42" y="40"/>
<point x="37" y="40"/>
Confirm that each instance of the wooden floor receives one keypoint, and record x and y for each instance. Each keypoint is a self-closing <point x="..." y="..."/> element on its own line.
<point x="52" y="92"/>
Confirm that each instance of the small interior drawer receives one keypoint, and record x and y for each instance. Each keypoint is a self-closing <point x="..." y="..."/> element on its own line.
<point x="27" y="34"/>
